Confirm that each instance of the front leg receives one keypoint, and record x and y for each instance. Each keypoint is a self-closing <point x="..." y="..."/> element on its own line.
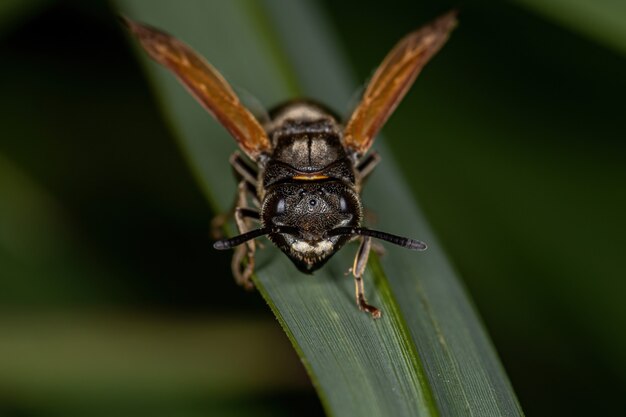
<point x="243" y="172"/>
<point x="242" y="263"/>
<point x="358" y="268"/>
<point x="366" y="166"/>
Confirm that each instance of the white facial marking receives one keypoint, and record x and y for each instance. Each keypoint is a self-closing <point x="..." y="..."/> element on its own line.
<point x="319" y="248"/>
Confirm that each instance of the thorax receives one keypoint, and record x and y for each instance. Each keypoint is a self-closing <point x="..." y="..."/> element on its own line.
<point x="306" y="143"/>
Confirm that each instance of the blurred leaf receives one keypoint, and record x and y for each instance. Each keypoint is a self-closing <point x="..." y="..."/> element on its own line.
<point x="129" y="364"/>
<point x="41" y="255"/>
<point x="31" y="225"/>
<point x="140" y="356"/>
<point x="12" y="10"/>
<point x="602" y="20"/>
<point x="428" y="355"/>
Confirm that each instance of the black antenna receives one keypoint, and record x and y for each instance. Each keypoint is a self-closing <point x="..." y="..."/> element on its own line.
<point x="405" y="242"/>
<point x="243" y="238"/>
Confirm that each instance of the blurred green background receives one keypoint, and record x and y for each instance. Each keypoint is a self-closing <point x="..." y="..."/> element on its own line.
<point x="113" y="303"/>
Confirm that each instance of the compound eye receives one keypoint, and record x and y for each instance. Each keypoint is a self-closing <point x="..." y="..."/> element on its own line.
<point x="343" y="204"/>
<point x="280" y="207"/>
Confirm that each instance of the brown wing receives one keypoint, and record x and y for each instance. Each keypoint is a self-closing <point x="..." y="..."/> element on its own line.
<point x="206" y="85"/>
<point x="392" y="80"/>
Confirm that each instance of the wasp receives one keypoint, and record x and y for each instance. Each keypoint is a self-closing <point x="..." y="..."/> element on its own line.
<point x="302" y="169"/>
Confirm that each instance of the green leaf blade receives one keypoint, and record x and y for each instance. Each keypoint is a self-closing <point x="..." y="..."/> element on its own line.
<point x="377" y="372"/>
<point x="601" y="20"/>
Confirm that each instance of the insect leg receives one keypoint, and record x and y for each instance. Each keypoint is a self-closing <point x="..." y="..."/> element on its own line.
<point x="360" y="262"/>
<point x="366" y="166"/>
<point x="244" y="252"/>
<point x="244" y="172"/>
<point x="242" y="168"/>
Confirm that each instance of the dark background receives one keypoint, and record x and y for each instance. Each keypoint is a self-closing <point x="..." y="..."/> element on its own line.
<point x="523" y="180"/>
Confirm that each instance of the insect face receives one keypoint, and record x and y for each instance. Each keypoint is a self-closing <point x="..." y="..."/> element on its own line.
<point x="308" y="168"/>
<point x="312" y="208"/>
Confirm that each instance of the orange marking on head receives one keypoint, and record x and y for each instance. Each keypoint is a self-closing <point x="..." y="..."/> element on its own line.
<point x="310" y="177"/>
